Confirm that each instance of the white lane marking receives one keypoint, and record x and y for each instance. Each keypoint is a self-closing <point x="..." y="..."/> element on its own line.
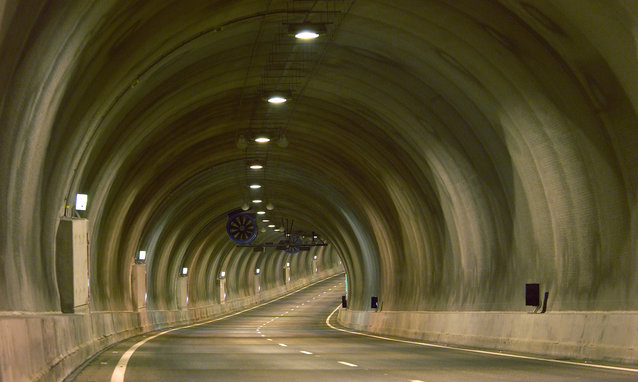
<point x="305" y="352"/>
<point x="263" y="335"/>
<point x="284" y="345"/>
<point x="268" y="339"/>
<point x="120" y="368"/>
<point x="416" y="380"/>
<point x="348" y="364"/>
<point x="573" y="363"/>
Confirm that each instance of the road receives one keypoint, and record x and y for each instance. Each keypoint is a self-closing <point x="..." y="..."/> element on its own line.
<point x="289" y="340"/>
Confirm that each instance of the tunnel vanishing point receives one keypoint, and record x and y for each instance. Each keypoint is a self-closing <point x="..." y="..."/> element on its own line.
<point x="452" y="154"/>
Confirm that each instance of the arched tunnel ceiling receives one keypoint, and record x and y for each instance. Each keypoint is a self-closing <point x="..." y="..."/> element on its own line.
<point x="445" y="149"/>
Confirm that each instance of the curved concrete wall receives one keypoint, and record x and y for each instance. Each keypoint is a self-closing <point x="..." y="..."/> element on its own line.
<point x="449" y="151"/>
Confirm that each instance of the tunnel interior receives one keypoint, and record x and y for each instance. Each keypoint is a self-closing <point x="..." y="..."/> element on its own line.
<point x="448" y="152"/>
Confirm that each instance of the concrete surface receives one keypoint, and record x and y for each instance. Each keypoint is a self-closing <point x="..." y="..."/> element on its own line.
<point x="289" y="340"/>
<point x="449" y="151"/>
<point x="610" y="336"/>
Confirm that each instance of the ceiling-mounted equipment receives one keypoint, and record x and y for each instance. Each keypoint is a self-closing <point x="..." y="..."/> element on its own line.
<point x="277" y="99"/>
<point x="306" y="31"/>
<point x="291" y="242"/>
<point x="241" y="227"/>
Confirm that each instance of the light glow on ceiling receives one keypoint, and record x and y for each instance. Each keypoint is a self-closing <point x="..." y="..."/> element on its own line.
<point x="277" y="99"/>
<point x="307" y="34"/>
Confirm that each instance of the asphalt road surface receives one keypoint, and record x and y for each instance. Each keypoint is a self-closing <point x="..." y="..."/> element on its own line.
<point x="289" y="340"/>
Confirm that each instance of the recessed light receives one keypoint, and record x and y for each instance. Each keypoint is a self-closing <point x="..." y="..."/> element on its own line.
<point x="307" y="34"/>
<point x="262" y="139"/>
<point x="265" y="220"/>
<point x="271" y="226"/>
<point x="255" y="186"/>
<point x="277" y="99"/>
<point x="261" y="212"/>
<point x="256" y="167"/>
<point x="257" y="201"/>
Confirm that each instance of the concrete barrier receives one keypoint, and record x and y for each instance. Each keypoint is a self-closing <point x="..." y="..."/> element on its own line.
<point x="600" y="336"/>
<point x="49" y="346"/>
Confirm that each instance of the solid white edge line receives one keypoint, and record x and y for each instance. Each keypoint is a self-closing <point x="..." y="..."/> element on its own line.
<point x="120" y="368"/>
<point x="573" y="363"/>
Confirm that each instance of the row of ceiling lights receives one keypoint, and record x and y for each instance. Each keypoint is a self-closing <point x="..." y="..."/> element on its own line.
<point x="301" y="32"/>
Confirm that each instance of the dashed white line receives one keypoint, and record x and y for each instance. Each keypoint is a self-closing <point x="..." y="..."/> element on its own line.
<point x="305" y="352"/>
<point x="348" y="364"/>
<point x="120" y="368"/>
<point x="284" y="345"/>
<point x="268" y="339"/>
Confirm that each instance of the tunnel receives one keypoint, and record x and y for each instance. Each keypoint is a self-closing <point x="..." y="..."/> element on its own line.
<point x="455" y="159"/>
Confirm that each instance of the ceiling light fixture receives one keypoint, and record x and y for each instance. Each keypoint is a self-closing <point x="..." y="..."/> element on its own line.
<point x="261" y="212"/>
<point x="277" y="99"/>
<point x="256" y="167"/>
<point x="306" y="34"/>
<point x="257" y="201"/>
<point x="306" y="31"/>
<point x="255" y="186"/>
<point x="262" y="139"/>
<point x="271" y="226"/>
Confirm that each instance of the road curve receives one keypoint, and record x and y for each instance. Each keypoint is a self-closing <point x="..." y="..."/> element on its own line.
<point x="289" y="340"/>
